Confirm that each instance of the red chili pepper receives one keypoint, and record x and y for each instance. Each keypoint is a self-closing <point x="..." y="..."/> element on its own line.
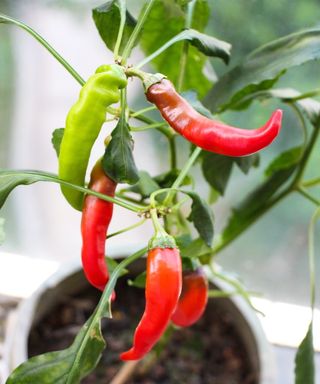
<point x="163" y="287"/>
<point x="193" y="298"/>
<point x="208" y="134"/>
<point x="96" y="217"/>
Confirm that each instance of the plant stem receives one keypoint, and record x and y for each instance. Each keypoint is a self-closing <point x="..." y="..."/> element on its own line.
<point x="311" y="182"/>
<point x="165" y="129"/>
<point x="123" y="9"/>
<point x="302" y="121"/>
<point x="311" y="230"/>
<point x="182" y="175"/>
<point x="142" y="111"/>
<point x="185" y="49"/>
<point x="235" y="284"/>
<point x="103" y="309"/>
<point x="173" y="153"/>
<point x="133" y="226"/>
<point x="307" y="195"/>
<point x="146" y="127"/>
<point x="136" y="31"/>
<point x="306" y="154"/>
<point x="46" y="45"/>
<point x="44" y="176"/>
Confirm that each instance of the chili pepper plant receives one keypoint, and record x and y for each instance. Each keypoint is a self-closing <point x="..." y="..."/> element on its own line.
<point x="181" y="102"/>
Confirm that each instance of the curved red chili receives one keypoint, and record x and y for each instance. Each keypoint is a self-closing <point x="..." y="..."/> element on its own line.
<point x="193" y="299"/>
<point x="96" y="217"/>
<point x="208" y="134"/>
<point x="163" y="287"/>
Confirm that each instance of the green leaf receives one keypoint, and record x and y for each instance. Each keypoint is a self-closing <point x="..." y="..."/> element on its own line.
<point x="192" y="99"/>
<point x="206" y="44"/>
<point x="202" y="217"/>
<point x="56" y="139"/>
<point x="262" y="68"/>
<point x="217" y="170"/>
<point x="304" y="360"/>
<point x="68" y="366"/>
<point x="197" y="249"/>
<point x="10" y="180"/>
<point x="247" y="162"/>
<point x="107" y="19"/>
<point x="285" y="160"/>
<point x="183" y="240"/>
<point x="145" y="186"/>
<point x="166" y="20"/>
<point x="2" y="232"/>
<point x="118" y="161"/>
<point x="139" y="281"/>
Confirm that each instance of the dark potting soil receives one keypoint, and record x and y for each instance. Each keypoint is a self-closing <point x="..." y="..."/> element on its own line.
<point x="209" y="352"/>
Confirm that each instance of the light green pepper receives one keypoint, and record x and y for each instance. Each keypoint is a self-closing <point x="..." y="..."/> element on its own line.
<point x="83" y="124"/>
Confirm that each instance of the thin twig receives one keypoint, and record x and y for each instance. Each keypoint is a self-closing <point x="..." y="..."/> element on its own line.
<point x="125" y="372"/>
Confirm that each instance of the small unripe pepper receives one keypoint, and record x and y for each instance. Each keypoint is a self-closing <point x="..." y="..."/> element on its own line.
<point x="83" y="124"/>
<point x="210" y="135"/>
<point x="96" y="217"/>
<point x="163" y="287"/>
<point x="193" y="299"/>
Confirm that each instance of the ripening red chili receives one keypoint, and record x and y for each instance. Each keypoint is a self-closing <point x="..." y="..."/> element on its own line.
<point x="96" y="217"/>
<point x="163" y="287"/>
<point x="193" y="299"/>
<point x="208" y="134"/>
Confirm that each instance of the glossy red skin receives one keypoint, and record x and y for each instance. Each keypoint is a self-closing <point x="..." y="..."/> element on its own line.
<point x="208" y="134"/>
<point x="163" y="287"/>
<point x="96" y="217"/>
<point x="193" y="299"/>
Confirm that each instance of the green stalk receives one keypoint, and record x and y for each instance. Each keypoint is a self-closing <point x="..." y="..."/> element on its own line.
<point x="173" y="153"/>
<point x="306" y="154"/>
<point x="146" y="127"/>
<point x="45" y="44"/>
<point x="311" y="231"/>
<point x="127" y="229"/>
<point x="165" y="130"/>
<point x="135" y="33"/>
<point x="302" y="122"/>
<point x="311" y="182"/>
<point x="44" y="176"/>
<point x="185" y="49"/>
<point x="103" y="308"/>
<point x="182" y="175"/>
<point x="142" y="111"/>
<point x="307" y="195"/>
<point x="123" y="9"/>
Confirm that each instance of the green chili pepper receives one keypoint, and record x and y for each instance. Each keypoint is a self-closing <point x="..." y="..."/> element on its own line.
<point x="84" y="122"/>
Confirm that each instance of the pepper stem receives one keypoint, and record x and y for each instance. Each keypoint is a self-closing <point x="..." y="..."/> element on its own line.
<point x="148" y="79"/>
<point x="161" y="238"/>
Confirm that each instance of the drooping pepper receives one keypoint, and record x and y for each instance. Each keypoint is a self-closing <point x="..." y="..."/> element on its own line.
<point x="193" y="299"/>
<point x="83" y="124"/>
<point x="163" y="287"/>
<point x="211" y="135"/>
<point x="96" y="217"/>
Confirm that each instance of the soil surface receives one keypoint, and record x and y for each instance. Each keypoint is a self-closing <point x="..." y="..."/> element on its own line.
<point x="207" y="353"/>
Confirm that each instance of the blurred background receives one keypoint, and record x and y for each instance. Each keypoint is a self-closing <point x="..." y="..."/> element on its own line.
<point x="36" y="93"/>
